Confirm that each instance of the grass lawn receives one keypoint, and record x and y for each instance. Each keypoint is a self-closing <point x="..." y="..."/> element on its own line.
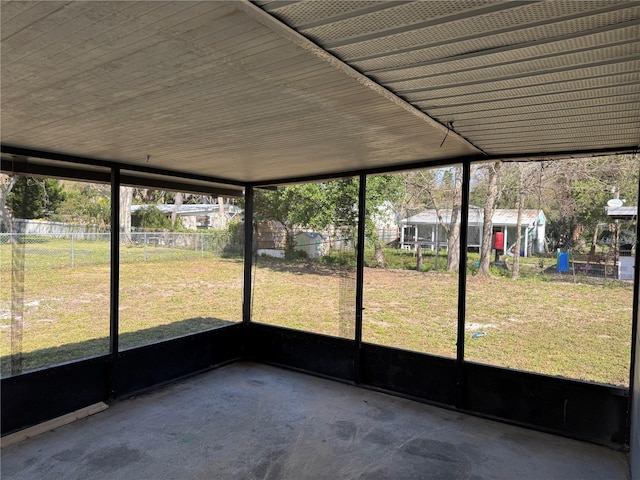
<point x="560" y="328"/>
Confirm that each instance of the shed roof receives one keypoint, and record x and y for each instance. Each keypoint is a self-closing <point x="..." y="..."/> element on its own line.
<point x="432" y="216"/>
<point x="276" y="90"/>
<point x="509" y="216"/>
<point x="313" y="235"/>
<point x="622" y="213"/>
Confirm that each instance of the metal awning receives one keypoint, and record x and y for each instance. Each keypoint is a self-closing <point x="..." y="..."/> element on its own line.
<point x="622" y="213"/>
<point x="258" y="93"/>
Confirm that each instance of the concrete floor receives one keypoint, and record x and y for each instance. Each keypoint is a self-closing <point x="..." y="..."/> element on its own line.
<point x="251" y="421"/>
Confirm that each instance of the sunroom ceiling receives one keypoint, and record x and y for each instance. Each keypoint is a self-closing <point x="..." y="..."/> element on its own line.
<point x="272" y="90"/>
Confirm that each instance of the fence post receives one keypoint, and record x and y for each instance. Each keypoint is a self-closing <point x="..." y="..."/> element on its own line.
<point x="73" y="251"/>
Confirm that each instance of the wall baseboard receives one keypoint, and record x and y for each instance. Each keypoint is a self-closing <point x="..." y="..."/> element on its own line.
<point x="51" y="424"/>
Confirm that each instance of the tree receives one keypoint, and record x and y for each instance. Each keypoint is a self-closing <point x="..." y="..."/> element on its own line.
<point x="440" y="189"/>
<point x="32" y="198"/>
<point x="287" y="206"/>
<point x="493" y="171"/>
<point x="126" y="199"/>
<point x="6" y="185"/>
<point x="576" y="191"/>
<point x="453" y="232"/>
<point x="151" y="217"/>
<point x="87" y="203"/>
<point x="382" y="191"/>
<point x="327" y="206"/>
<point x="176" y="208"/>
<point x="522" y="195"/>
<point x="601" y="180"/>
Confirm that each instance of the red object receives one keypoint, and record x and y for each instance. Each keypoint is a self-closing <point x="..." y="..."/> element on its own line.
<point x="498" y="241"/>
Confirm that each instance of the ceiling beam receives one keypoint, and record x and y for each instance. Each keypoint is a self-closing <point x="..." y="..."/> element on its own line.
<point x="75" y="159"/>
<point x="525" y="157"/>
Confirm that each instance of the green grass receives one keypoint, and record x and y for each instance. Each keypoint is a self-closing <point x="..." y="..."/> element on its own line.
<point x="538" y="323"/>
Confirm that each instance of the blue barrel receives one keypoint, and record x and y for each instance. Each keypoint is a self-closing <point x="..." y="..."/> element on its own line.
<point x="563" y="261"/>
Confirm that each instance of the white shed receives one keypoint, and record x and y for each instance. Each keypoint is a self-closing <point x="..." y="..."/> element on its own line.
<point x="313" y="243"/>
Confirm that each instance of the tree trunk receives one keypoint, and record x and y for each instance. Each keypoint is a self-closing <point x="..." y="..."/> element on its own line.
<point x="6" y="185"/>
<point x="379" y="255"/>
<point x="289" y="242"/>
<point x="453" y="240"/>
<point x="515" y="272"/>
<point x="437" y="255"/>
<point x="126" y="199"/>
<point x="616" y="244"/>
<point x="594" y="241"/>
<point x="487" y="224"/>
<point x="177" y="203"/>
<point x="419" y="255"/>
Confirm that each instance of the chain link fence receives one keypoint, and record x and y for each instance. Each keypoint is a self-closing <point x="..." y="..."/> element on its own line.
<point x="60" y="250"/>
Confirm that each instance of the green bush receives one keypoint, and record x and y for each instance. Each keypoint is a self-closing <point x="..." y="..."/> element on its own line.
<point x="499" y="271"/>
<point x="234" y="246"/>
<point x="151" y="218"/>
<point x="342" y="258"/>
<point x="295" y="255"/>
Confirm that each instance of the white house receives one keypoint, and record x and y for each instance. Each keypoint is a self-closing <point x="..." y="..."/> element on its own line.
<point x="426" y="229"/>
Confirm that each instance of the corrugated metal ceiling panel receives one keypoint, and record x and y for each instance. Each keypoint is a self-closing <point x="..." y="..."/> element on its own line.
<point x="395" y="19"/>
<point x="559" y="78"/>
<point x="620" y="94"/>
<point x="314" y="12"/>
<point x="604" y="120"/>
<point x="591" y="45"/>
<point x="454" y="97"/>
<point x="544" y="110"/>
<point x="538" y="71"/>
<point x="515" y="69"/>
<point x="510" y="23"/>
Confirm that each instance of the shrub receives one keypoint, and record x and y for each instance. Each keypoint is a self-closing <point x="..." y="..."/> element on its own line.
<point x="151" y="218"/>
<point x="295" y="255"/>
